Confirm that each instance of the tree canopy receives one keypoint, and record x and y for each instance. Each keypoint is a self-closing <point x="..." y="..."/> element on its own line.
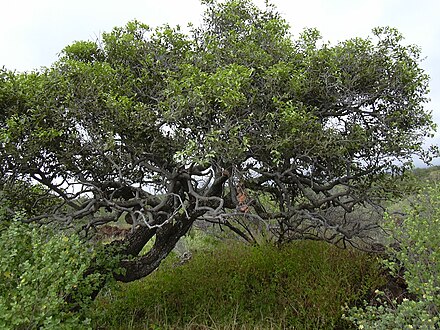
<point x="237" y="122"/>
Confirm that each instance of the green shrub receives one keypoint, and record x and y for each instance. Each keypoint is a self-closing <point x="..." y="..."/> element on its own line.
<point x="419" y="255"/>
<point x="39" y="270"/>
<point x="302" y="285"/>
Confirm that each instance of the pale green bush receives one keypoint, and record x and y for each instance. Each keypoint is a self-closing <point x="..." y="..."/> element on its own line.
<point x="39" y="270"/>
<point x="418" y="237"/>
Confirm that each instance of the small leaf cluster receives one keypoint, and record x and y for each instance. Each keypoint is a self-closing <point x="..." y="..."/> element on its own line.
<point x="42" y="278"/>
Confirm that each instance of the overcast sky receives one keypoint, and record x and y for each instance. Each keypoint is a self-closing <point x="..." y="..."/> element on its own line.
<point x="33" y="32"/>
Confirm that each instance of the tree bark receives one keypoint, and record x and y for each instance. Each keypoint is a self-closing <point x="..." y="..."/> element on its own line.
<point x="167" y="237"/>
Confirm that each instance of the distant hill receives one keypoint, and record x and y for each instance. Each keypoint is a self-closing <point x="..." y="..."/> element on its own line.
<point x="431" y="173"/>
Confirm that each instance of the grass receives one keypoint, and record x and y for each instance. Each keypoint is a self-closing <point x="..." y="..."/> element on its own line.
<point x="301" y="286"/>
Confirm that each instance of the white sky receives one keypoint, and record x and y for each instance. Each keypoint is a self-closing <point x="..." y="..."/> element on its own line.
<point x="33" y="32"/>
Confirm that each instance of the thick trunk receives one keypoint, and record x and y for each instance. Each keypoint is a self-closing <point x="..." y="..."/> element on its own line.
<point x="136" y="267"/>
<point x="166" y="239"/>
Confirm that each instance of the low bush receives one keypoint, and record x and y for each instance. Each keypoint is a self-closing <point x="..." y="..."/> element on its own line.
<point x="418" y="254"/>
<point x="42" y="278"/>
<point x="302" y="285"/>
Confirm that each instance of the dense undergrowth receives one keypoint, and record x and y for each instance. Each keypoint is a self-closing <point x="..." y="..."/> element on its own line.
<point x="300" y="286"/>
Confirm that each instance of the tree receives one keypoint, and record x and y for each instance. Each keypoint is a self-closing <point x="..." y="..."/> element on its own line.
<point x="235" y="123"/>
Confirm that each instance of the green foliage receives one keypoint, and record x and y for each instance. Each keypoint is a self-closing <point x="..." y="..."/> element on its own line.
<point x="83" y="51"/>
<point x="302" y="285"/>
<point x="419" y="255"/>
<point x="239" y="84"/>
<point x="42" y="278"/>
